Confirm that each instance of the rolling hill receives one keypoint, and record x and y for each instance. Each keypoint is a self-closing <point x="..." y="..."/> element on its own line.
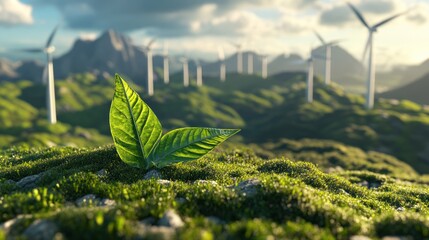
<point x="415" y="91"/>
<point x="266" y="111"/>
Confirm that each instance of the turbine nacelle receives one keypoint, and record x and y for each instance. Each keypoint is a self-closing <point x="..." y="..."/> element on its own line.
<point x="49" y="49"/>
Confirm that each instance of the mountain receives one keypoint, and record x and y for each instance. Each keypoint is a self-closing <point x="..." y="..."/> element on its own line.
<point x="7" y="70"/>
<point x="401" y="75"/>
<point x="416" y="91"/>
<point x="111" y="52"/>
<point x="287" y="63"/>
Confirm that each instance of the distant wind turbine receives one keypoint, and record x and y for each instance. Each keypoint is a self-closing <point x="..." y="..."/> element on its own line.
<point x="148" y="50"/>
<point x="48" y="72"/>
<point x="199" y="74"/>
<point x="222" y="70"/>
<point x="166" y="66"/>
<point x="264" y="66"/>
<point x="310" y="77"/>
<point x="369" y="47"/>
<point x="327" y="58"/>
<point x="238" y="46"/>
<point x="184" y="61"/>
<point x="250" y="63"/>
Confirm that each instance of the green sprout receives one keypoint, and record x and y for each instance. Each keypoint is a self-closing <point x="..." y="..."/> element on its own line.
<point x="137" y="133"/>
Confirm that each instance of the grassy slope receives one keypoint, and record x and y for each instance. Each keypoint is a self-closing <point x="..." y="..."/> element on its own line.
<point x="293" y="200"/>
<point x="267" y="111"/>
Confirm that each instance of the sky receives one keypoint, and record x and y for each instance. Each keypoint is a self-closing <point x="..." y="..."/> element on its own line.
<point x="198" y="27"/>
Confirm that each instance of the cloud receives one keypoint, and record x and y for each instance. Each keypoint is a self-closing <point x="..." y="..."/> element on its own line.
<point x="13" y="12"/>
<point x="340" y="14"/>
<point x="419" y="14"/>
<point x="166" y="17"/>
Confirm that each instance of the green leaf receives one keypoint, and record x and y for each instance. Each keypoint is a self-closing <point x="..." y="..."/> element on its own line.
<point x="135" y="128"/>
<point x="186" y="144"/>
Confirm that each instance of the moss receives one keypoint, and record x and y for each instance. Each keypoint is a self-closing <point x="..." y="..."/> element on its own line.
<point x="292" y="199"/>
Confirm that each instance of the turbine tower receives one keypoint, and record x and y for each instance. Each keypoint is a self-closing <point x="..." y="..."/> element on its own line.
<point x="166" y="66"/>
<point x="310" y="77"/>
<point x="264" y="66"/>
<point x="222" y="70"/>
<point x="148" y="50"/>
<point x="48" y="73"/>
<point x="250" y="63"/>
<point x="369" y="47"/>
<point x="238" y="46"/>
<point x="327" y="58"/>
<point x="184" y="61"/>
<point x="199" y="74"/>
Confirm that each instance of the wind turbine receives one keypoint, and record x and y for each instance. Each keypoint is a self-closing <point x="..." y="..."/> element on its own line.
<point x="250" y="63"/>
<point x="166" y="66"/>
<point x="148" y="50"/>
<point x="310" y="77"/>
<point x="327" y="57"/>
<point x="238" y="46"/>
<point x="264" y="66"/>
<point x="49" y="73"/>
<point x="369" y="47"/>
<point x="222" y="70"/>
<point x="199" y="74"/>
<point x="184" y="61"/>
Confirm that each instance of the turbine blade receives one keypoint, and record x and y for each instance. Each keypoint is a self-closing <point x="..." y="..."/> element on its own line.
<point x="388" y="20"/>
<point x="359" y="15"/>
<point x="365" y="51"/>
<point x="221" y="54"/>
<point x="31" y="50"/>
<point x="51" y="37"/>
<point x="151" y="42"/>
<point x="320" y="37"/>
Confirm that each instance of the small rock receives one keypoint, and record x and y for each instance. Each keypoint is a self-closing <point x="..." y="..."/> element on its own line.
<point x="85" y="135"/>
<point x="153" y="174"/>
<point x="344" y="192"/>
<point x="29" y="181"/>
<point x="396" y="238"/>
<point x="171" y="219"/>
<point x="154" y="232"/>
<point x="42" y="230"/>
<point x="364" y="184"/>
<point x="163" y="182"/>
<point x="359" y="237"/>
<point x="102" y="173"/>
<point x="400" y="209"/>
<point x="10" y="182"/>
<point x="249" y="187"/>
<point x="86" y="200"/>
<point x="211" y="182"/>
<point x="107" y="202"/>
<point x="6" y="226"/>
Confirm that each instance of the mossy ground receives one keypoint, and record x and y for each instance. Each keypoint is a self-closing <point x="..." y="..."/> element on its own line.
<point x="292" y="200"/>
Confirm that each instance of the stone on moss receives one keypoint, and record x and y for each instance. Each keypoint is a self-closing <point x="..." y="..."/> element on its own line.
<point x="42" y="230"/>
<point x="29" y="181"/>
<point x="171" y="219"/>
<point x="155" y="174"/>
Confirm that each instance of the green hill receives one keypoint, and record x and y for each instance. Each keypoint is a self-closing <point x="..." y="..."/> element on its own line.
<point x="266" y="111"/>
<point x="232" y="193"/>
